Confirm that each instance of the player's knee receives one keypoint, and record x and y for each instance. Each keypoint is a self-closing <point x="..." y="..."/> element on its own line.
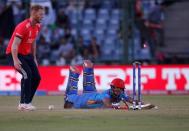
<point x="36" y="78"/>
<point x="68" y="105"/>
<point x="27" y="76"/>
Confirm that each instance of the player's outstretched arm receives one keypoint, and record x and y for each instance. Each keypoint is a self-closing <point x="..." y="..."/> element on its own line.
<point x="109" y="105"/>
<point x="130" y="100"/>
<point x="143" y="106"/>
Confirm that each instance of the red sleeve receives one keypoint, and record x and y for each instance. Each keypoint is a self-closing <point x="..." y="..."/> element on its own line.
<point x="20" y="31"/>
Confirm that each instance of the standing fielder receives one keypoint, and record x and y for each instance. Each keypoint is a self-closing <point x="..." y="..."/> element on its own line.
<point x="21" y="52"/>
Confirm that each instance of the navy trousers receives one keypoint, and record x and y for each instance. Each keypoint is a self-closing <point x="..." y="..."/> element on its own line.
<point x="30" y="77"/>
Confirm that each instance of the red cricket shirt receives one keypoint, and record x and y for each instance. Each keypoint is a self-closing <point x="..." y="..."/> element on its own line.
<point x="27" y="33"/>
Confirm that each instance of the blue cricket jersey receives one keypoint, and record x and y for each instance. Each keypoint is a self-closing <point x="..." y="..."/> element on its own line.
<point x="80" y="101"/>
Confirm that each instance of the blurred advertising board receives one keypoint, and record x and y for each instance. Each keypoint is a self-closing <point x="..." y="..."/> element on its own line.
<point x="154" y="79"/>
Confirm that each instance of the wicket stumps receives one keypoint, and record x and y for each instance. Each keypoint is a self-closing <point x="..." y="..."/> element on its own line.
<point x="137" y="65"/>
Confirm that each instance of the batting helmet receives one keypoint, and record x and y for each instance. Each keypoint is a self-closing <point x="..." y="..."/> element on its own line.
<point x="118" y="83"/>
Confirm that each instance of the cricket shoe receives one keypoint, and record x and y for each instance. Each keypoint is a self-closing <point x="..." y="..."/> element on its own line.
<point x="21" y="107"/>
<point x="30" y="107"/>
<point x="26" y="107"/>
<point x="87" y="63"/>
<point x="74" y="69"/>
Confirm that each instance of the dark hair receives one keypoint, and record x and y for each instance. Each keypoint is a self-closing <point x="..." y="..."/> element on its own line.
<point x="36" y="7"/>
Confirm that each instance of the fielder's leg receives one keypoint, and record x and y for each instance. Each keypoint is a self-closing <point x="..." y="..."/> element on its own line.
<point x="36" y="78"/>
<point x="72" y="86"/>
<point x="88" y="77"/>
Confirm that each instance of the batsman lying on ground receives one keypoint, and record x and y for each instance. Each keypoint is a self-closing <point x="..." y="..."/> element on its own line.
<point x="90" y="98"/>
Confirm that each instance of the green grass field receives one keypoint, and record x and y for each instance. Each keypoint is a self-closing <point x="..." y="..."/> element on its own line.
<point x="172" y="115"/>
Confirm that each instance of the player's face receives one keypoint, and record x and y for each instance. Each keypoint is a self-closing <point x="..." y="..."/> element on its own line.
<point x="39" y="15"/>
<point x="117" y="91"/>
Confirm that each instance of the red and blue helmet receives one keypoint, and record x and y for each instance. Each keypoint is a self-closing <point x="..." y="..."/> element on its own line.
<point x="117" y="88"/>
<point x="118" y="83"/>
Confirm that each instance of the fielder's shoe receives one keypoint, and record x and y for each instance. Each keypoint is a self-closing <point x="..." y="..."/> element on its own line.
<point x="29" y="107"/>
<point x="74" y="69"/>
<point x="88" y="63"/>
<point x="21" y="106"/>
<point x="26" y="107"/>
